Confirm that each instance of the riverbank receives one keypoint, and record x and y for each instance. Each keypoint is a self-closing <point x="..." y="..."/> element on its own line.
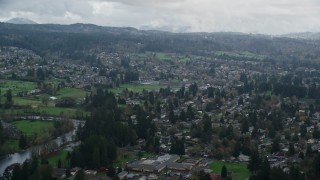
<point x="24" y="132"/>
<point x="64" y="141"/>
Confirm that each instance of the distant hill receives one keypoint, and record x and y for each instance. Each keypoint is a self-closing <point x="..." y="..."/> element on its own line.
<point x="21" y="21"/>
<point x="304" y="35"/>
<point x="76" y="41"/>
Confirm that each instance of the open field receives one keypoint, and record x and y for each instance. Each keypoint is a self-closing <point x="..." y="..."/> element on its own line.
<point x="162" y="56"/>
<point x="36" y="100"/>
<point x="16" y="86"/>
<point x="268" y="93"/>
<point x="241" y="54"/>
<point x="135" y="87"/>
<point x="71" y="92"/>
<point x="47" y="111"/>
<point x="24" y="101"/>
<point x="12" y="145"/>
<point x="54" y="158"/>
<point x="125" y="157"/>
<point x="239" y="170"/>
<point x="29" y="127"/>
<point x="59" y="111"/>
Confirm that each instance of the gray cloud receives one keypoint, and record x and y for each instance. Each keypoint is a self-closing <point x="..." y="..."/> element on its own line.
<point x="250" y="16"/>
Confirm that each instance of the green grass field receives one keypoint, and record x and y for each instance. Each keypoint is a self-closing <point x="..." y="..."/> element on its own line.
<point x="158" y="55"/>
<point x="12" y="145"/>
<point x="29" y="127"/>
<point x="23" y="101"/>
<point x="126" y="157"/>
<point x="239" y="170"/>
<point x="268" y="93"/>
<point x="135" y="87"/>
<point x="59" y="111"/>
<point x="16" y="86"/>
<point x="47" y="111"/>
<point x="62" y="155"/>
<point x="241" y="54"/>
<point x="71" y="92"/>
<point x="162" y="56"/>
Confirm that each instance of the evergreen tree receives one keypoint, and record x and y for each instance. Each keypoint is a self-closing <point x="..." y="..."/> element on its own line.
<point x="301" y="155"/>
<point x="309" y="151"/>
<point x="277" y="173"/>
<point x="25" y="170"/>
<point x="80" y="175"/>
<point x="203" y="176"/>
<point x="303" y="130"/>
<point x="316" y="166"/>
<point x="193" y="88"/>
<point x="207" y="124"/>
<point x="275" y="146"/>
<point x="182" y="116"/>
<point x="291" y="150"/>
<point x="68" y="173"/>
<point x="254" y="162"/>
<point x="224" y="172"/>
<point x="177" y="147"/>
<point x="9" y="101"/>
<point x="264" y="172"/>
<point x="96" y="158"/>
<point x="229" y="132"/>
<point x="111" y="171"/>
<point x="172" y="117"/>
<point x="119" y="170"/>
<point x="245" y="126"/>
<point x="210" y="91"/>
<point x="190" y="113"/>
<point x="240" y="101"/>
<point x="316" y="133"/>
<point x="22" y="142"/>
<point x="272" y="132"/>
<point x="59" y="165"/>
<point x="34" y="164"/>
<point x="158" y="108"/>
<point x="294" y="173"/>
<point x="237" y="150"/>
<point x="7" y="175"/>
<point x="16" y="173"/>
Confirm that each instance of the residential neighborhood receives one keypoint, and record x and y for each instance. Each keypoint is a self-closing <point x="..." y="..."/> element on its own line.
<point x="127" y="110"/>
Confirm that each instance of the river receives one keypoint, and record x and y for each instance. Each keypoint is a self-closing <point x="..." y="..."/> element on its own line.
<point x="21" y="156"/>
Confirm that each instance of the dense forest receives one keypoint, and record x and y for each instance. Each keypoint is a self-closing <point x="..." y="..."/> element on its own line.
<point x="75" y="42"/>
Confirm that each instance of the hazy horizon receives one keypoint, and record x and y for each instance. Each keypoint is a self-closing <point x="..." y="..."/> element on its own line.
<point x="248" y="16"/>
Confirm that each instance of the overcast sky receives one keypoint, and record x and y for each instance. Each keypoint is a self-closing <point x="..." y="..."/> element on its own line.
<point x="249" y="16"/>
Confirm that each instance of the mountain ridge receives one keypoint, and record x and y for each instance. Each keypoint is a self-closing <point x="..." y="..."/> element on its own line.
<point x="19" y="20"/>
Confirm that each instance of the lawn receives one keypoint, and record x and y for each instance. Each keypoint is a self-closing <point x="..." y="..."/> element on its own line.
<point x="269" y="93"/>
<point x="135" y="87"/>
<point x="129" y="156"/>
<point x="162" y="56"/>
<point x="12" y="145"/>
<point x="239" y="170"/>
<point x="241" y="54"/>
<point x="159" y="55"/>
<point x="59" y="111"/>
<point x="71" y="92"/>
<point x="22" y="101"/>
<point x="47" y="111"/>
<point x="30" y="128"/>
<point x="54" y="159"/>
<point x="16" y="86"/>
